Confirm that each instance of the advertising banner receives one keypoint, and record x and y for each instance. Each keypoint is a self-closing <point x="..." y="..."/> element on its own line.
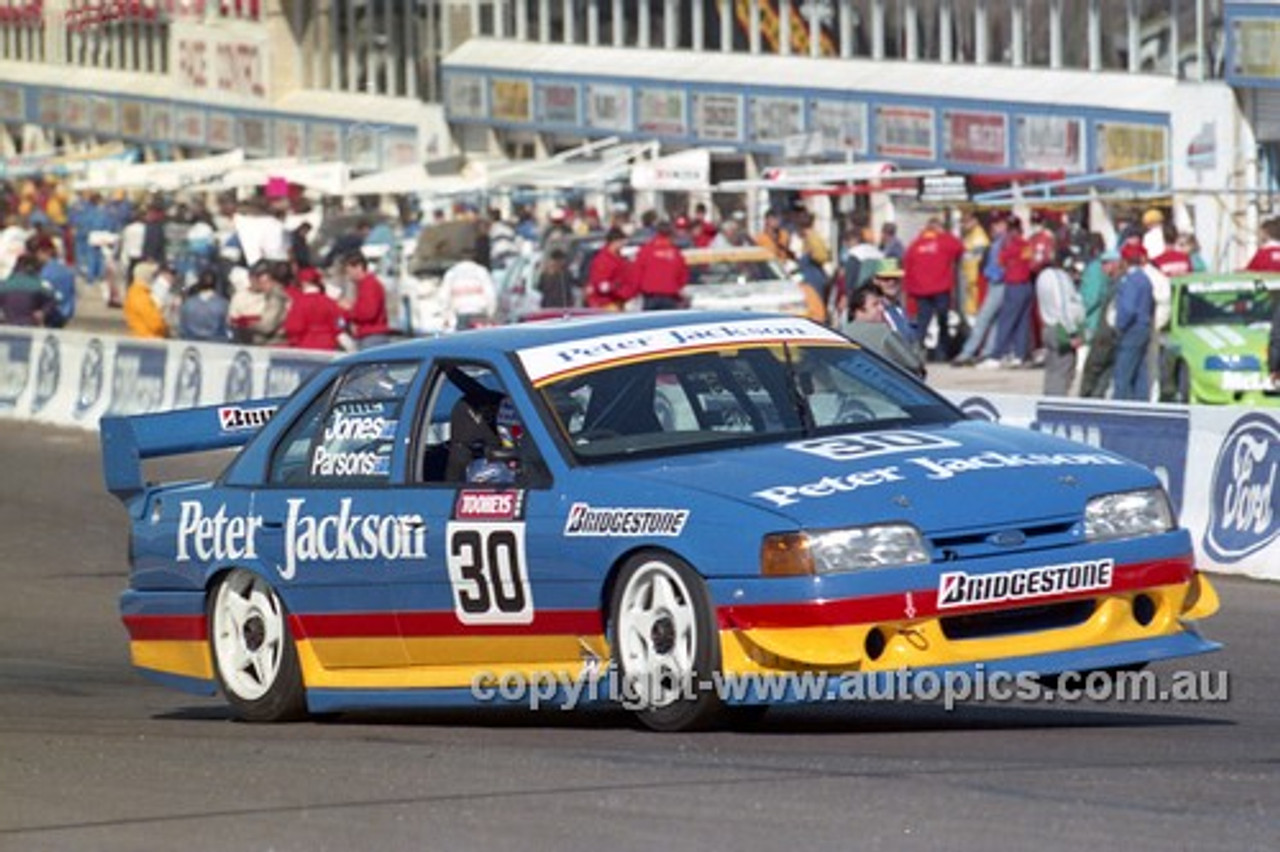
<point x="13" y="103"/>
<point x="159" y="122"/>
<point x="975" y="138"/>
<point x="1253" y="52"/>
<point x="609" y="107"/>
<point x="105" y="115"/>
<point x="190" y="127"/>
<point x="558" y="103"/>
<point x="717" y="116"/>
<point x="842" y="125"/>
<point x="465" y="96"/>
<point x="75" y="111"/>
<point x="254" y="133"/>
<point x="908" y="132"/>
<point x="512" y="100"/>
<point x="1050" y="143"/>
<point x="774" y="119"/>
<point x="48" y="108"/>
<point x="324" y="142"/>
<point x="661" y="112"/>
<point x="133" y="121"/>
<point x="221" y="131"/>
<point x="291" y="138"/>
<point x="1128" y="146"/>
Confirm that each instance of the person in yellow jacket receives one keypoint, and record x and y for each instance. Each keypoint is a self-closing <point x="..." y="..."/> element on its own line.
<point x="142" y="314"/>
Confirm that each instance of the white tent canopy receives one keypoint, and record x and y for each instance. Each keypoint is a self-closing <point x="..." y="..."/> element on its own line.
<point x="685" y="171"/>
<point x="168" y="176"/>
<point x="411" y="180"/>
<point x="824" y="175"/>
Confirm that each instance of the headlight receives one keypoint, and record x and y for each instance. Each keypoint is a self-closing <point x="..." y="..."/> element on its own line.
<point x="836" y="551"/>
<point x="1129" y="514"/>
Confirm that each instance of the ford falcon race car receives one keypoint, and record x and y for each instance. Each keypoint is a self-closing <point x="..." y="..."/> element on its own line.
<point x="654" y="500"/>
<point x="1216" y="348"/>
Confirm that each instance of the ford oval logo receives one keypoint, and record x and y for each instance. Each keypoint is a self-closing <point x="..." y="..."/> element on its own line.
<point x="1242" y="517"/>
<point x="1008" y="538"/>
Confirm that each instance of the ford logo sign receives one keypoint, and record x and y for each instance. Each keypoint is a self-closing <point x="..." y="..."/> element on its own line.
<point x="1008" y="538"/>
<point x="1242" y="518"/>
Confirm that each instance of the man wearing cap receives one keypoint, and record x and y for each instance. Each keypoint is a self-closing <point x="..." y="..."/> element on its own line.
<point x="267" y="279"/>
<point x="1135" y="307"/>
<point x="1097" y="291"/>
<point x="610" y="283"/>
<point x="888" y="278"/>
<point x="314" y="320"/>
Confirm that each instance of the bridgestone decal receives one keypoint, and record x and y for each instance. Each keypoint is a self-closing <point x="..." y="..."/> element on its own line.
<point x="585" y="520"/>
<point x="958" y="588"/>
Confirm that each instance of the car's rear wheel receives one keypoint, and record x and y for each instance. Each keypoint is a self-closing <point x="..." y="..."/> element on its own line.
<point x="253" y="654"/>
<point x="1181" y="383"/>
<point x="665" y="643"/>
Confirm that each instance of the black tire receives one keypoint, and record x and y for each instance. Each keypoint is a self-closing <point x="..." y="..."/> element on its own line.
<point x="661" y="618"/>
<point x="1181" y="383"/>
<point x="254" y="657"/>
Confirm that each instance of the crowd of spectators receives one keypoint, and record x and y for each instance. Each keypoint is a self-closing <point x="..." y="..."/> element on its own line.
<point x="990" y="291"/>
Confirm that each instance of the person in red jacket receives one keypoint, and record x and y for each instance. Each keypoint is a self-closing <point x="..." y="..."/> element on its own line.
<point x="929" y="277"/>
<point x="661" y="271"/>
<point x="366" y="313"/>
<point x="1173" y="261"/>
<point x="1267" y="257"/>
<point x="314" y="320"/>
<point x="1013" y="339"/>
<point x="610" y="282"/>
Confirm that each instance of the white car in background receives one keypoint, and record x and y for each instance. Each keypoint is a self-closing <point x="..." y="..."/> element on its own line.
<point x="744" y="278"/>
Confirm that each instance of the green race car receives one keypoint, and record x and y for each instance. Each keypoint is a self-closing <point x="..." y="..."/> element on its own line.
<point x="1216" y="348"/>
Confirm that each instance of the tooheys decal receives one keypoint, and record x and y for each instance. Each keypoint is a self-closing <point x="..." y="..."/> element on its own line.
<point x="959" y="588"/>
<point x="586" y="520"/>
<point x="489" y="505"/>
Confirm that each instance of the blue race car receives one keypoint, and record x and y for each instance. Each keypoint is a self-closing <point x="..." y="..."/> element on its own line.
<point x="658" y="503"/>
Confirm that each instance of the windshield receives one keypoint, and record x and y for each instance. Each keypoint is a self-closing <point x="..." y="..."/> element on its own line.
<point x="735" y="396"/>
<point x="736" y="272"/>
<point x="1225" y="305"/>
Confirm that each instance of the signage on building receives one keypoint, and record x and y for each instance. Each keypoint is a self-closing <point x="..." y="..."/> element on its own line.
<point x="465" y="96"/>
<point x="1253" y="48"/>
<point x="717" y="116"/>
<point x="132" y="119"/>
<point x="661" y="112"/>
<point x="1140" y="151"/>
<point x="220" y="130"/>
<point x="511" y="100"/>
<point x="1050" y="143"/>
<point x="773" y="119"/>
<point x="210" y="60"/>
<point x="943" y="189"/>
<point x="190" y="127"/>
<point x="842" y="125"/>
<point x="558" y="103"/>
<point x="908" y="132"/>
<point x="609" y="107"/>
<point x="975" y="138"/>
<point x="324" y="141"/>
<point x="291" y="138"/>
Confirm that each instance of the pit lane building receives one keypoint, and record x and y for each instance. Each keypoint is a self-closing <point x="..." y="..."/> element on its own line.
<point x="1111" y="101"/>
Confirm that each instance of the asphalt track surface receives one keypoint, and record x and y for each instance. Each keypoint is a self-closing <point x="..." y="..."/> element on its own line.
<point x="92" y="757"/>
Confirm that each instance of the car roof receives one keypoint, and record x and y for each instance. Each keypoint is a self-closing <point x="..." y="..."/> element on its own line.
<point x="500" y="340"/>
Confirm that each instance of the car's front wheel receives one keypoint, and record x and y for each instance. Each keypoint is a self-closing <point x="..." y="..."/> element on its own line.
<point x="253" y="654"/>
<point x="665" y="643"/>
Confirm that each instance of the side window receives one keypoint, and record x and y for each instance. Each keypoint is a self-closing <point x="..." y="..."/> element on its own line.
<point x="348" y="435"/>
<point x="471" y="432"/>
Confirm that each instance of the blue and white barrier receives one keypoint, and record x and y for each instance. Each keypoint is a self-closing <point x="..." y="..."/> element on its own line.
<point x="1219" y="464"/>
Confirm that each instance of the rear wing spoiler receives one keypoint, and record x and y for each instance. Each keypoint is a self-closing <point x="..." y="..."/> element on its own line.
<point x="127" y="441"/>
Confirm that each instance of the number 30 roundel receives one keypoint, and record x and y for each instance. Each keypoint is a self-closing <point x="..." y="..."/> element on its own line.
<point x="488" y="573"/>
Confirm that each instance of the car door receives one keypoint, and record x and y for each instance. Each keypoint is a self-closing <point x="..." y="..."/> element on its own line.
<point x="496" y="590"/>
<point x="336" y="530"/>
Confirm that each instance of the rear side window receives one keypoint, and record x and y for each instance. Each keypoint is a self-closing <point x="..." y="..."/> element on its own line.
<point x="347" y="436"/>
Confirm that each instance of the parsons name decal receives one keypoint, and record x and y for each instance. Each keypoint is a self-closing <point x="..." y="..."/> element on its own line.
<point x="585" y="520"/>
<point x="959" y="588"/>
<point x="346" y="536"/>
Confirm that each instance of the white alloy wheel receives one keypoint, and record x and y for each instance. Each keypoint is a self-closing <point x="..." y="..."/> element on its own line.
<point x="665" y="643"/>
<point x="255" y="659"/>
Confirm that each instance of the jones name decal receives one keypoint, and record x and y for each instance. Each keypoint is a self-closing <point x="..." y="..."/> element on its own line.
<point x="957" y="588"/>
<point x="584" y="520"/>
<point x="343" y="537"/>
